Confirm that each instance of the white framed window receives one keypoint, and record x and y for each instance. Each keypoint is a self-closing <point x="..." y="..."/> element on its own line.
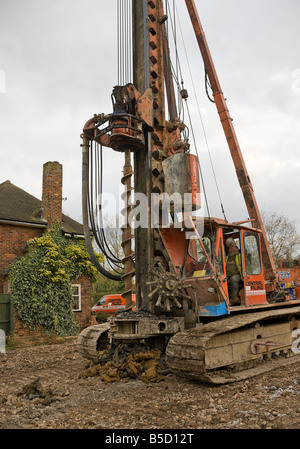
<point x="76" y="295"/>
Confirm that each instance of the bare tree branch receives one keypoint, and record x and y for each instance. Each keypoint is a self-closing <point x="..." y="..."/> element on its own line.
<point x="282" y="236"/>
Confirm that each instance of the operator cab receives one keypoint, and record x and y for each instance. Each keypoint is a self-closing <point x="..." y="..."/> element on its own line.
<point x="252" y="284"/>
<point x="202" y="257"/>
<point x="206" y="268"/>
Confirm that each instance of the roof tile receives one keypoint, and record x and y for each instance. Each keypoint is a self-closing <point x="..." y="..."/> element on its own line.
<point x="18" y="205"/>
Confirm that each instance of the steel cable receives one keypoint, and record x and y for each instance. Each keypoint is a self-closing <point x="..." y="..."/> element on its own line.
<point x="199" y="112"/>
<point x="124" y="41"/>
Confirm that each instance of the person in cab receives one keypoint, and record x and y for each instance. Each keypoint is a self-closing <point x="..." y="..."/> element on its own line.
<point x="233" y="271"/>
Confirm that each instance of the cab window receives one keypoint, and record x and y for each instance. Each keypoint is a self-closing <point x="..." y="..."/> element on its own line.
<point x="201" y="257"/>
<point x="252" y="254"/>
<point x="199" y="264"/>
<point x="202" y="262"/>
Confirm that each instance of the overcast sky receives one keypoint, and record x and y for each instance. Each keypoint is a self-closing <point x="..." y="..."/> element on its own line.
<point x="58" y="65"/>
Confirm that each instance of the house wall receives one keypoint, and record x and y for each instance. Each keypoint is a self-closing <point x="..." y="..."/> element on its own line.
<point x="84" y="318"/>
<point x="13" y="239"/>
<point x="22" y="333"/>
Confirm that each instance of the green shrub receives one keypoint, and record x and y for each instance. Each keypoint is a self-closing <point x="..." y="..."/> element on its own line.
<point x="41" y="281"/>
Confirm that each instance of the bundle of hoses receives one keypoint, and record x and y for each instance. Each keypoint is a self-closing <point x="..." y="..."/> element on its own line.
<point x="91" y="179"/>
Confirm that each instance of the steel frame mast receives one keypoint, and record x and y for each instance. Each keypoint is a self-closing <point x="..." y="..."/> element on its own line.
<point x="150" y="56"/>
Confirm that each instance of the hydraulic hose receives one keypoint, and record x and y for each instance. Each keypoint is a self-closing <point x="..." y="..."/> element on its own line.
<point x="85" y="216"/>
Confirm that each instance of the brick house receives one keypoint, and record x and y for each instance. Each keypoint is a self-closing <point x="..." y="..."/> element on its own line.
<point x="23" y="217"/>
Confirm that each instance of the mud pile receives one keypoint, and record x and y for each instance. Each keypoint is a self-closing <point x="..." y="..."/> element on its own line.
<point x="35" y="390"/>
<point x="126" y="362"/>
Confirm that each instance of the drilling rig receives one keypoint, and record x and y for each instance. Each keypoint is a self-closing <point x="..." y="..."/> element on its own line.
<point x="178" y="259"/>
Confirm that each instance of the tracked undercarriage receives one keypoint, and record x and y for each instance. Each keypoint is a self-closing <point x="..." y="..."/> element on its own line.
<point x="236" y="347"/>
<point x="224" y="351"/>
<point x="92" y="340"/>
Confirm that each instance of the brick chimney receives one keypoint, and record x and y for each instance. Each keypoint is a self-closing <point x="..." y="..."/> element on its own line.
<point x="52" y="192"/>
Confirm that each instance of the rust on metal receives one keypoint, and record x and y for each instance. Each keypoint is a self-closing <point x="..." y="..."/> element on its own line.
<point x="127" y="236"/>
<point x="233" y="143"/>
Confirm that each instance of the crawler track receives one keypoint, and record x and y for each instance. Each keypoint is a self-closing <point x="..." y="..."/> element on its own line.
<point x="93" y="339"/>
<point x="235" y="348"/>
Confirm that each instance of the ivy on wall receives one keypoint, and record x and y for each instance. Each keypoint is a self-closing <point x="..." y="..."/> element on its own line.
<point x="41" y="281"/>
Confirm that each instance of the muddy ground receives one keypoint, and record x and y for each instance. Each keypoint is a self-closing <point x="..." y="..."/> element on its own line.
<point x="57" y="398"/>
